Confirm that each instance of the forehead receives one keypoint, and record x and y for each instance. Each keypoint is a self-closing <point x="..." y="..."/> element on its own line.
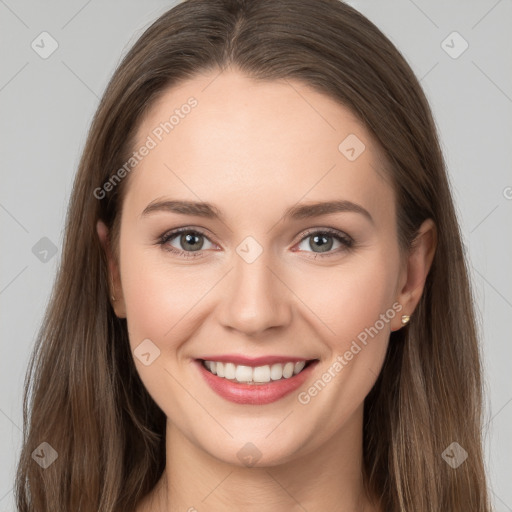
<point x="231" y="140"/>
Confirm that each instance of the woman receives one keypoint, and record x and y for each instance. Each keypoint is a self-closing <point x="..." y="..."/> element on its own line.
<point x="263" y="302"/>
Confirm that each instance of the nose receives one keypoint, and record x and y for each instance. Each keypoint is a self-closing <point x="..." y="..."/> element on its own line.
<point x="255" y="297"/>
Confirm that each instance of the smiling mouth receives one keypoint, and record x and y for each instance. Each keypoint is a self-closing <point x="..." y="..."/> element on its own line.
<point x="264" y="374"/>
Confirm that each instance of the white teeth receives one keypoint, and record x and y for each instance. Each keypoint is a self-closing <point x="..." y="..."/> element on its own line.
<point x="299" y="367"/>
<point x="229" y="370"/>
<point x="243" y="373"/>
<point x="276" y="372"/>
<point x="288" y="370"/>
<point x="259" y="374"/>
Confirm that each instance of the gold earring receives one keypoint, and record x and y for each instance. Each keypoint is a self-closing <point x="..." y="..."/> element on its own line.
<point x="405" y="319"/>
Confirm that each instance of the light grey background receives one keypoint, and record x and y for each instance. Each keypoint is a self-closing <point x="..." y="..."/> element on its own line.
<point x="47" y="106"/>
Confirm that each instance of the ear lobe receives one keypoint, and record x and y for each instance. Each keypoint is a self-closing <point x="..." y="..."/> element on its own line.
<point x="419" y="262"/>
<point x="116" y="295"/>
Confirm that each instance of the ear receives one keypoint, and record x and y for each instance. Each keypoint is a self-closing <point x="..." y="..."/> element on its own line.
<point x="114" y="280"/>
<point x="414" y="272"/>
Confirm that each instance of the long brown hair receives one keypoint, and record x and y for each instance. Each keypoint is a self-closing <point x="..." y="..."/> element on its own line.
<point x="83" y="395"/>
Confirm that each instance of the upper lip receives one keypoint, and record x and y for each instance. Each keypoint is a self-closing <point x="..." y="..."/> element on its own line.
<point x="253" y="361"/>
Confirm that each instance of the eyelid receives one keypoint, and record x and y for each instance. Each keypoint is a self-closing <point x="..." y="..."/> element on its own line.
<point x="329" y="231"/>
<point x="173" y="233"/>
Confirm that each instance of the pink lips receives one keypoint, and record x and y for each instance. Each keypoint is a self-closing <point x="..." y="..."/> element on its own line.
<point x="254" y="394"/>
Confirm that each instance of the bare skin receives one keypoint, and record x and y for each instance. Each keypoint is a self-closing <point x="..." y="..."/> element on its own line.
<point x="254" y="149"/>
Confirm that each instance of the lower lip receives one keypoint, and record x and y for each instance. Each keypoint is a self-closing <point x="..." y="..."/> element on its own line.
<point x="254" y="394"/>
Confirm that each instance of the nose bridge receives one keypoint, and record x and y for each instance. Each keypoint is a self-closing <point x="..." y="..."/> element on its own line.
<point x="256" y="299"/>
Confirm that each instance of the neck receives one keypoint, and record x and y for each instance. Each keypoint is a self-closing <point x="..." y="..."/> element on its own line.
<point x="327" y="478"/>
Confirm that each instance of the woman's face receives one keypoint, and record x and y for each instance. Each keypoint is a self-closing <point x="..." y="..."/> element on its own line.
<point x="263" y="276"/>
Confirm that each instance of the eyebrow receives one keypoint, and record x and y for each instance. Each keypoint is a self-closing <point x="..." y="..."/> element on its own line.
<point x="296" y="212"/>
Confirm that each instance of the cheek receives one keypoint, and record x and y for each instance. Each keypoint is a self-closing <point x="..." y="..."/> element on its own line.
<point x="157" y="295"/>
<point x="354" y="303"/>
<point x="159" y="307"/>
<point x="143" y="287"/>
<point x="351" y="297"/>
<point x="358" y="308"/>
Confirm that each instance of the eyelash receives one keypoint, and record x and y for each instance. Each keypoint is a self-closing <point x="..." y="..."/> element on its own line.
<point x="345" y="240"/>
